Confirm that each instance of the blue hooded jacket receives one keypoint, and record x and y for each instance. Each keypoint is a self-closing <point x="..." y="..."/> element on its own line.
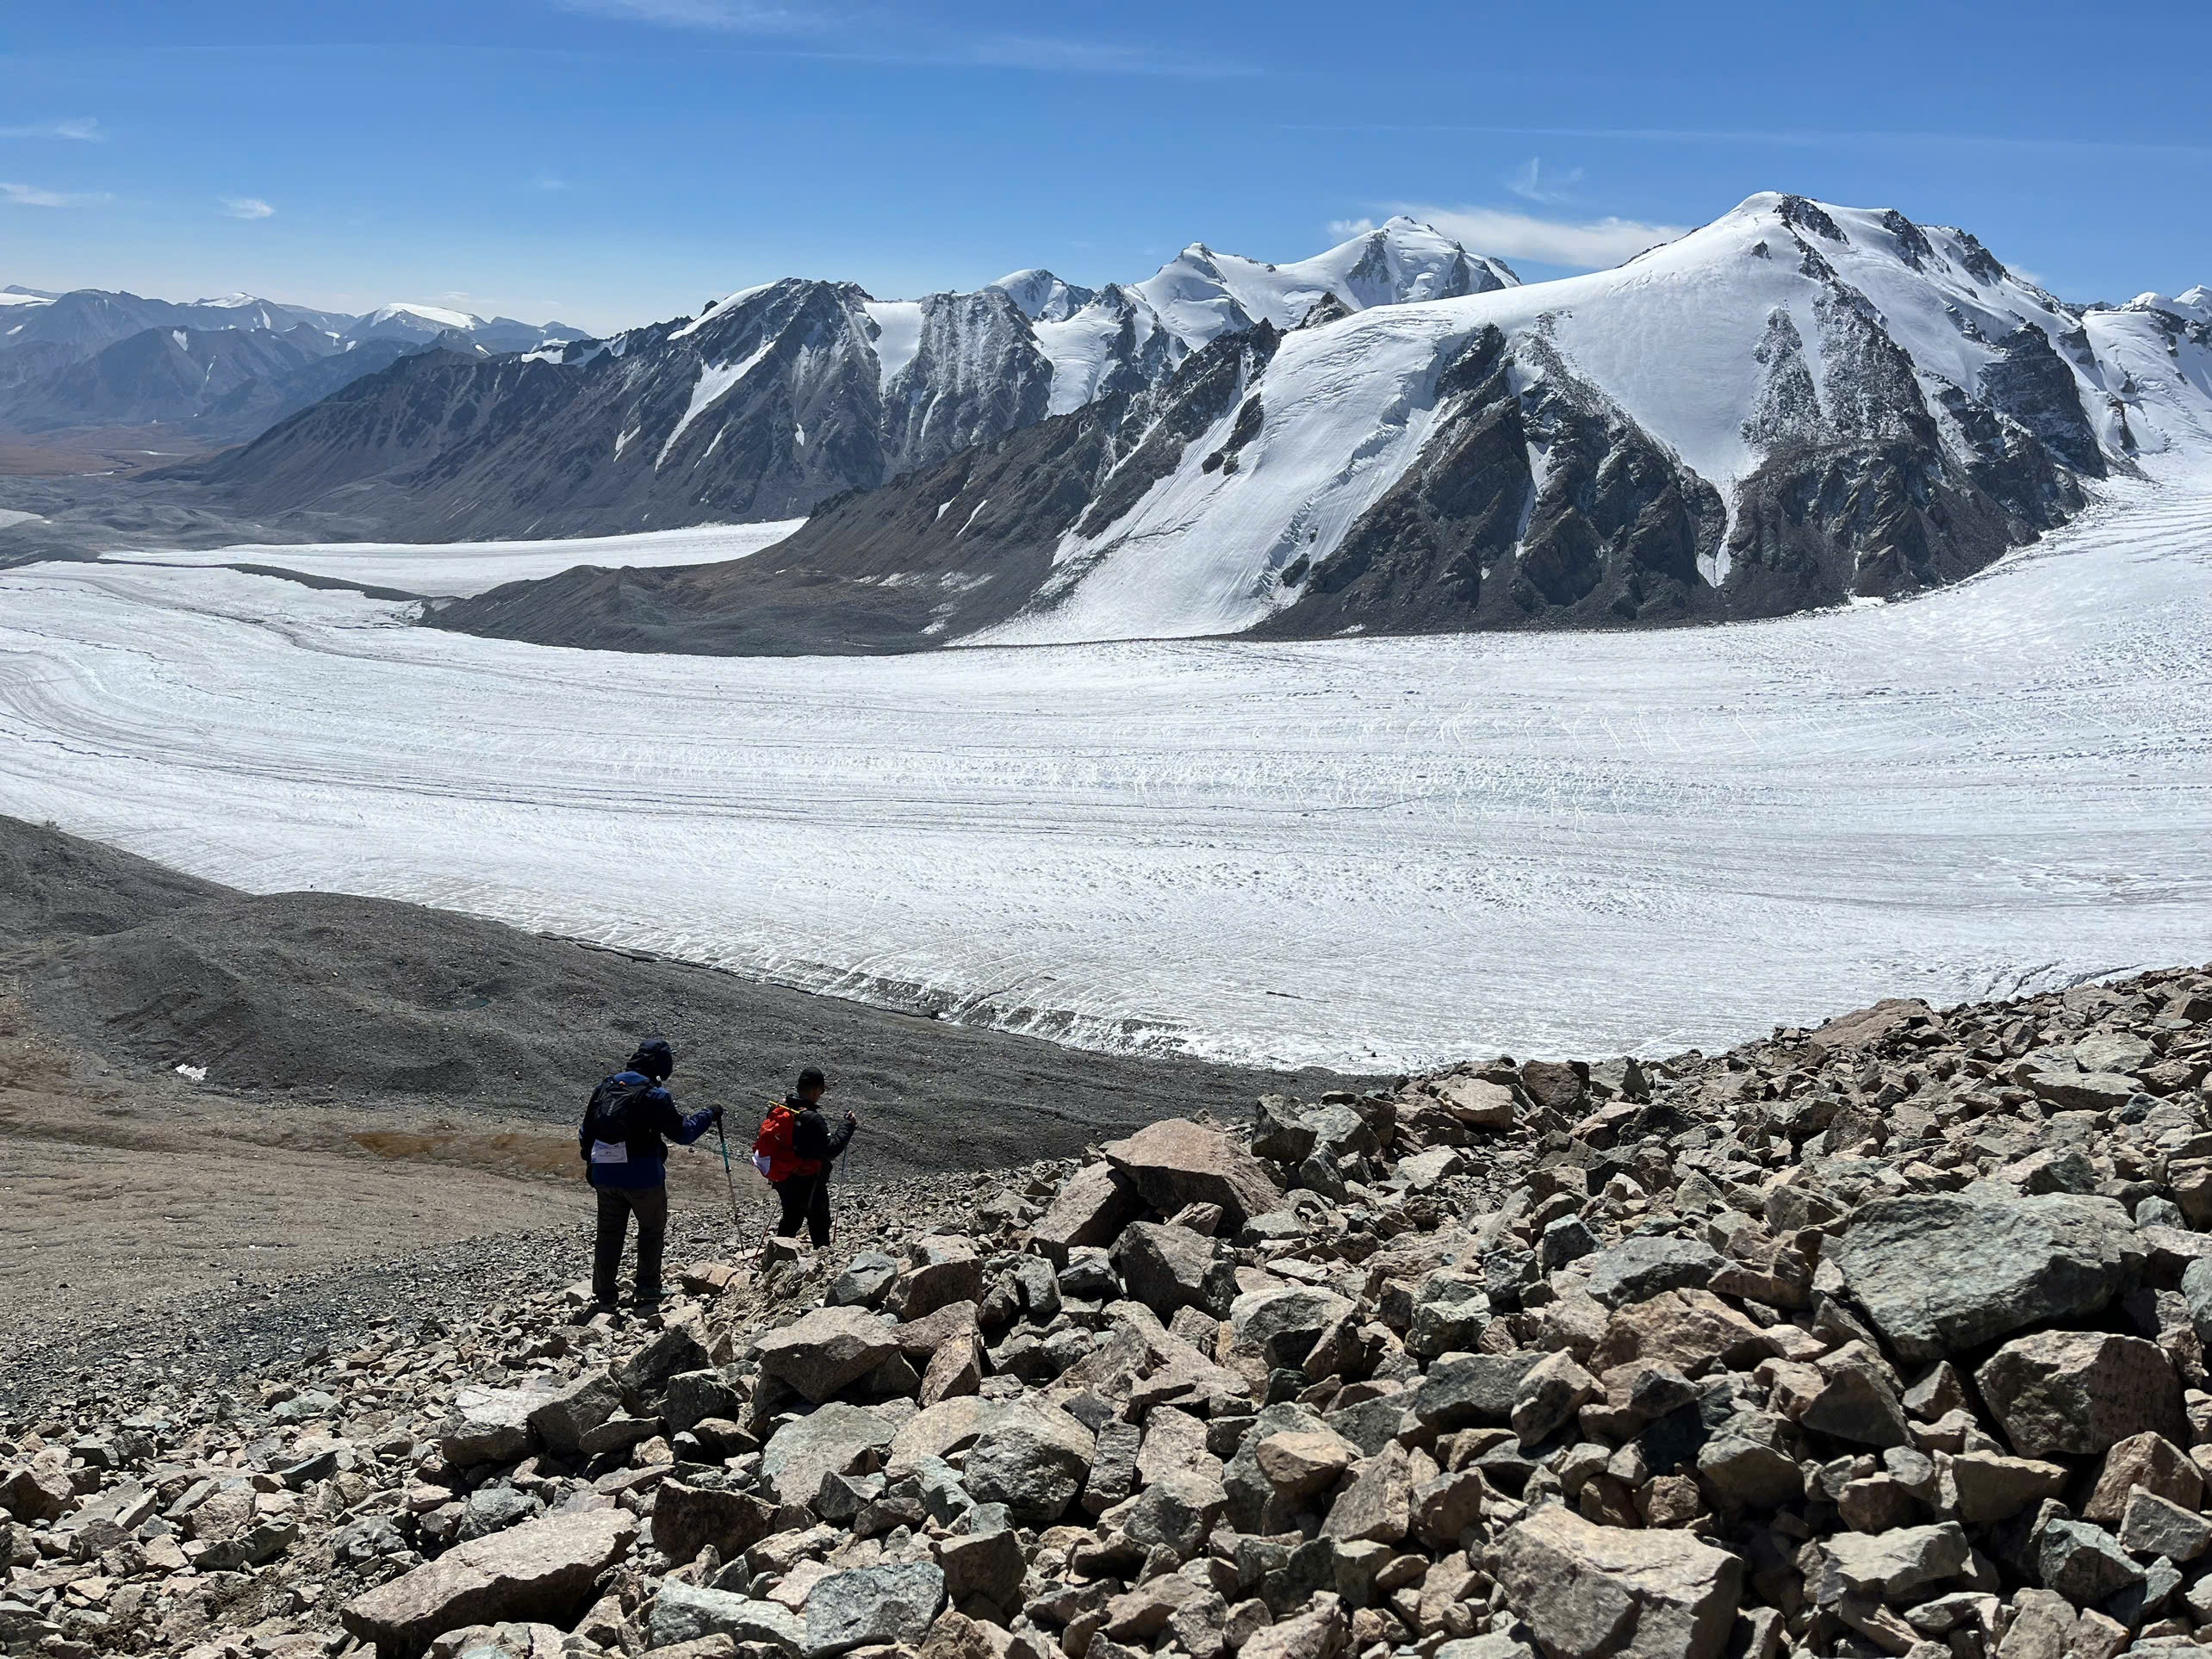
<point x="640" y="1159"/>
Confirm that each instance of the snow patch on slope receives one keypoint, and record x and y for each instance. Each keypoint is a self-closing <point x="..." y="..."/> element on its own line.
<point x="898" y="335"/>
<point x="715" y="381"/>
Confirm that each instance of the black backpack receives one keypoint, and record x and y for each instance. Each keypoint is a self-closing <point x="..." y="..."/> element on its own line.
<point x="613" y="1113"/>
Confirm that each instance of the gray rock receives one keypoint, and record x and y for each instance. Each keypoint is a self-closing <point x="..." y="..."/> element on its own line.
<point x="826" y="1351"/>
<point x="832" y="1439"/>
<point x="1091" y="1209"/>
<point x="1471" y="1391"/>
<point x="1940" y="1272"/>
<point x="865" y="1282"/>
<point x="1636" y="1269"/>
<point x="2152" y="1527"/>
<point x="1450" y="1312"/>
<point x="1889" y="1566"/>
<point x="2115" y="1051"/>
<point x="940" y="1268"/>
<point x="687" y="1519"/>
<point x="1033" y="1459"/>
<point x="563" y="1419"/>
<point x="1284" y="1325"/>
<point x="2087" y="1091"/>
<point x="542" y="1570"/>
<point x="488" y="1425"/>
<point x="688" y="1612"/>
<point x="1169" y="1267"/>
<point x="694" y="1397"/>
<point x="2083" y="1562"/>
<point x="871" y="1605"/>
<point x="1175" y="1162"/>
<point x="680" y="1347"/>
<point x="1590" y="1592"/>
<point x="986" y="1562"/>
<point x="1088" y="1275"/>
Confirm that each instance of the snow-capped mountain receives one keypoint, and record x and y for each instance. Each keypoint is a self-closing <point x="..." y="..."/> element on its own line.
<point x="779" y="396"/>
<point x="90" y="357"/>
<point x="1795" y="405"/>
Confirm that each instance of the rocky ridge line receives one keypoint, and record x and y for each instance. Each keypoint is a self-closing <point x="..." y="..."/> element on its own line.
<point x="1882" y="1338"/>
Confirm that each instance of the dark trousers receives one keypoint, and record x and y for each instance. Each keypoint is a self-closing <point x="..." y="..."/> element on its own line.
<point x="805" y="1199"/>
<point x="616" y="1206"/>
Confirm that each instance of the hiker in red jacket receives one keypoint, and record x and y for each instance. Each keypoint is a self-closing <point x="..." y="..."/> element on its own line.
<point x="795" y="1150"/>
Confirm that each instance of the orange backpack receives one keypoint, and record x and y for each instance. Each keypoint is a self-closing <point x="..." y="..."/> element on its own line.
<point x="775" y="1152"/>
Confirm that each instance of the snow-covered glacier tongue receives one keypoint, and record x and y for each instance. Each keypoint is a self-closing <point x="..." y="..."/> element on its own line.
<point x="1371" y="852"/>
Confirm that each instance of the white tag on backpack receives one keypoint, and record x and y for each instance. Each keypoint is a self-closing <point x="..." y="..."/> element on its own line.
<point x="610" y="1151"/>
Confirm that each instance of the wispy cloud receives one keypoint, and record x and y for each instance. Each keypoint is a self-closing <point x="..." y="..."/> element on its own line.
<point x="1585" y="245"/>
<point x="827" y="31"/>
<point x="548" y="182"/>
<point x="86" y="129"/>
<point x="30" y="195"/>
<point x="1783" y="138"/>
<point x="1536" y="185"/>
<point x="247" y="206"/>
<point x="731" y="15"/>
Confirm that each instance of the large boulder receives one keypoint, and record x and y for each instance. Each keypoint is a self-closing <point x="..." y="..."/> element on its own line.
<point x="1283" y="1325"/>
<point x="869" y="1607"/>
<point x="691" y="1613"/>
<point x="1091" y="1208"/>
<point x="1592" y="1592"/>
<point x="1031" y="1457"/>
<point x="826" y="1351"/>
<point x="831" y="1439"/>
<point x="2079" y="1392"/>
<point x="1176" y="1162"/>
<point x="542" y="1570"/>
<point x="1169" y="1267"/>
<point x="687" y="1519"/>
<point x="1636" y="1269"/>
<point x="1940" y="1272"/>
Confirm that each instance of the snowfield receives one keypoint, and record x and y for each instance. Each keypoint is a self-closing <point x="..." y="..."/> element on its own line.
<point x="1364" y="853"/>
<point x="456" y="570"/>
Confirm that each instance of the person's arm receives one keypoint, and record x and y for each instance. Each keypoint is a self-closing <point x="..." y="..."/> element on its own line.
<point x="678" y="1127"/>
<point x="840" y="1135"/>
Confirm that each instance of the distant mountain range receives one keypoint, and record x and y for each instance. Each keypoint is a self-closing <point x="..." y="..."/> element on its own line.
<point x="1795" y="405"/>
<point x="776" y="398"/>
<point x="226" y="368"/>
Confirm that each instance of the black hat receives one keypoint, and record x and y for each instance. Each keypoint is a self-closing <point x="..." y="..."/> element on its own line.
<point x="654" y="1059"/>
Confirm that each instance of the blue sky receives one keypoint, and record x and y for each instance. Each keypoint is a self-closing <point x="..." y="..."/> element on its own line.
<point x="614" y="161"/>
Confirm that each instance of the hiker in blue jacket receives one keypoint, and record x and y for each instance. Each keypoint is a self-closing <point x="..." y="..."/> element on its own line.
<point x="626" y="1159"/>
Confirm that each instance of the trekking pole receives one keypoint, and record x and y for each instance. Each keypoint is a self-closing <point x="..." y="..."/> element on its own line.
<point x="729" y="1179"/>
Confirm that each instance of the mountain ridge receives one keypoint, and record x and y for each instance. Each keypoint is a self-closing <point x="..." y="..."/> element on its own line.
<point x="1792" y="407"/>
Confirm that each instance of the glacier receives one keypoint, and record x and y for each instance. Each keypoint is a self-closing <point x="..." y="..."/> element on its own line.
<point x="1374" y="854"/>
